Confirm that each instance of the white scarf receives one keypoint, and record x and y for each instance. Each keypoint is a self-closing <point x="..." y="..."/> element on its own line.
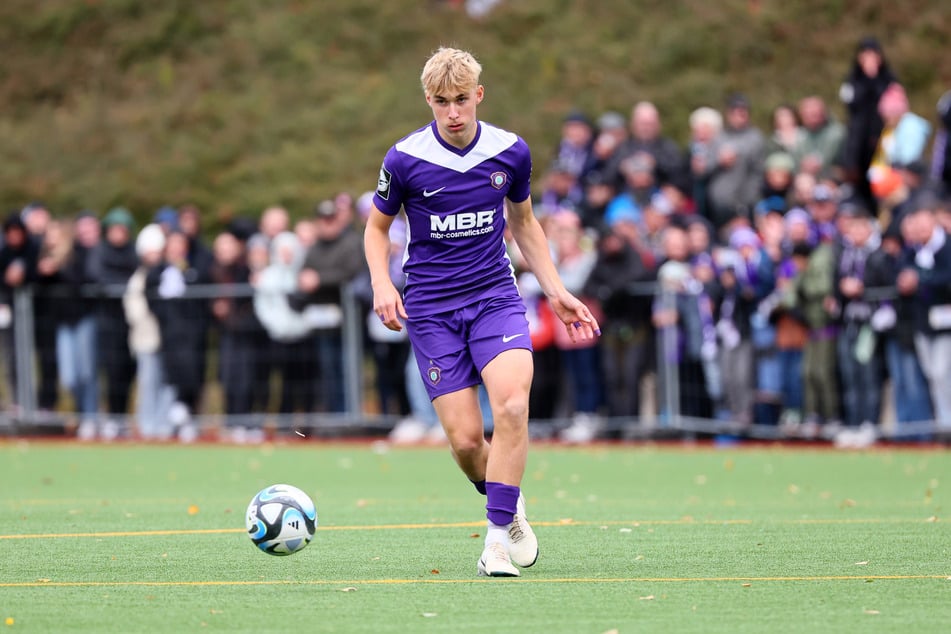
<point x="924" y="258"/>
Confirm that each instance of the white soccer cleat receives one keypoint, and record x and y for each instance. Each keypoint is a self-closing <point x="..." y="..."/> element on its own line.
<point x="523" y="545"/>
<point x="495" y="562"/>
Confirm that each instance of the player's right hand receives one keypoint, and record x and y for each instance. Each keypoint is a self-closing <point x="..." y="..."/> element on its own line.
<point x="388" y="305"/>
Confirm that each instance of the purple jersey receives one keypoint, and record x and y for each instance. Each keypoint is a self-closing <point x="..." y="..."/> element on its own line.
<point x="454" y="201"/>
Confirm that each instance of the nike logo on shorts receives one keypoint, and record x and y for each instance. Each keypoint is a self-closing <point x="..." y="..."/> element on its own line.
<point x="507" y="338"/>
<point x="427" y="193"/>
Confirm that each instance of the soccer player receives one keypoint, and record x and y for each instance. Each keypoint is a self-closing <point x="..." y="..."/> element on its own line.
<point x="464" y="316"/>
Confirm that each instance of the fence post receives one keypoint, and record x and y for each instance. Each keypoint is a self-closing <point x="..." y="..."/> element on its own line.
<point x="23" y="346"/>
<point x="352" y="333"/>
<point x="667" y="360"/>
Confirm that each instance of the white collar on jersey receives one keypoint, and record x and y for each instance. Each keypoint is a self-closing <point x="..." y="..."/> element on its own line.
<point x="424" y="145"/>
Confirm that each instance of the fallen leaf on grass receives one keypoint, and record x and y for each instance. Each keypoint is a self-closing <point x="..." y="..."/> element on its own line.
<point x="861" y="563"/>
<point x="193" y="509"/>
<point x="434" y="571"/>
<point x="474" y="535"/>
<point x="747" y="585"/>
<point x="847" y="502"/>
<point x="649" y="597"/>
<point x="348" y="589"/>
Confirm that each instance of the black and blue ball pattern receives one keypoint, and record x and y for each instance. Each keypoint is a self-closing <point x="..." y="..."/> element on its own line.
<point x="281" y="519"/>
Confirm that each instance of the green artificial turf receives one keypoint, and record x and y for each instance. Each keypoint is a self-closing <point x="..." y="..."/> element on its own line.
<point x="131" y="538"/>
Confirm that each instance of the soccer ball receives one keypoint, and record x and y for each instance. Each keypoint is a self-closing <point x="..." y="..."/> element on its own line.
<point x="281" y="519"/>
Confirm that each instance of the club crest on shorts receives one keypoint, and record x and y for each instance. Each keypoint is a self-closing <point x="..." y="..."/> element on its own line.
<point x="434" y="374"/>
<point x="498" y="179"/>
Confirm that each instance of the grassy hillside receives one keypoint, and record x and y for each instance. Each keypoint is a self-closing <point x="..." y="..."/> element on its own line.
<point x="238" y="104"/>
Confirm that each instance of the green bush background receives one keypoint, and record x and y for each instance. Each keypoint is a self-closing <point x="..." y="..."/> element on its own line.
<point x="235" y="105"/>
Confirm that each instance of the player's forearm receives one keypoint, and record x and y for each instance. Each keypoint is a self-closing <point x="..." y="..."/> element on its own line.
<point x="534" y="246"/>
<point x="376" y="245"/>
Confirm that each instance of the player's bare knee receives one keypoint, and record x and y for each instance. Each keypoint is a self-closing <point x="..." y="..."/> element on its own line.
<point x="466" y="445"/>
<point x="513" y="411"/>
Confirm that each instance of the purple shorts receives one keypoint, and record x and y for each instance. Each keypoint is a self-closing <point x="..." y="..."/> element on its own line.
<point x="451" y="348"/>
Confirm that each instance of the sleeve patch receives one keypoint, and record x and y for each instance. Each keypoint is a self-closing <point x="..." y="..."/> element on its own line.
<point x="383" y="185"/>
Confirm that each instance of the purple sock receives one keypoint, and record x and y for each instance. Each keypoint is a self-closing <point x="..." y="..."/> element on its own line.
<point x="480" y="486"/>
<point x="500" y="502"/>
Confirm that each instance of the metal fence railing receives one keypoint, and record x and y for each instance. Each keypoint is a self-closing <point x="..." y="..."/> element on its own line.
<point x="661" y="414"/>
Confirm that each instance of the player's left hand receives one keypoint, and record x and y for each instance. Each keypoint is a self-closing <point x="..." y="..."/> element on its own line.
<point x="576" y="316"/>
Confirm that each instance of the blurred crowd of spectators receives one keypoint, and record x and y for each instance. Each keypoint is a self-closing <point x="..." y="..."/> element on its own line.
<point x="783" y="277"/>
<point x="803" y="265"/>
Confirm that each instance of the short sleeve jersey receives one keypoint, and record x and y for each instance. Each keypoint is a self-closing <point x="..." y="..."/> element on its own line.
<point x="454" y="201"/>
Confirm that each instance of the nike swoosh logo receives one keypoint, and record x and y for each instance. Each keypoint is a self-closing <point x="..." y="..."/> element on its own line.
<point x="427" y="193"/>
<point x="507" y="338"/>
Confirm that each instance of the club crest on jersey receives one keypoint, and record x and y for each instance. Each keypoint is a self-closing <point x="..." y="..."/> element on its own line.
<point x="383" y="185"/>
<point x="434" y="374"/>
<point x="498" y="179"/>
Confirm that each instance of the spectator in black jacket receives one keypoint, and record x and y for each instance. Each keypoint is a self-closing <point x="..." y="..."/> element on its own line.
<point x="18" y="258"/>
<point x="55" y="244"/>
<point x="859" y="364"/>
<point x="112" y="263"/>
<point x="627" y="339"/>
<point x="668" y="159"/>
<point x="893" y="320"/>
<point x="941" y="155"/>
<point x="335" y="260"/>
<point x="237" y="326"/>
<point x="183" y="322"/>
<point x="925" y="277"/>
<point x="868" y="78"/>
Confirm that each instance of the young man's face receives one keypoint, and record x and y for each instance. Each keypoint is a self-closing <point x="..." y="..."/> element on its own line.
<point x="455" y="114"/>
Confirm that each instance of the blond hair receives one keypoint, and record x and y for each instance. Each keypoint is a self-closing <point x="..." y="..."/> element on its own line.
<point x="450" y="70"/>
